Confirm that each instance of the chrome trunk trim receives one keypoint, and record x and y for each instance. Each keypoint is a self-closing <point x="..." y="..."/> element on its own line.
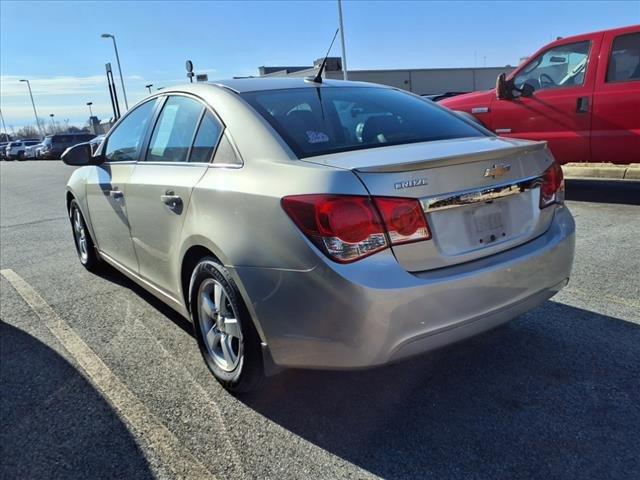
<point x="479" y="195"/>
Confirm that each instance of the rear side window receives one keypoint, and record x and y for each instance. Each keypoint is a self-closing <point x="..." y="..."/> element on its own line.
<point x="206" y="139"/>
<point x="624" y="62"/>
<point x="317" y="121"/>
<point x="125" y="141"/>
<point x="174" y="130"/>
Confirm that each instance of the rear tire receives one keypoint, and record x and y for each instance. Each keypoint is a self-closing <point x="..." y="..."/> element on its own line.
<point x="226" y="336"/>
<point x="82" y="239"/>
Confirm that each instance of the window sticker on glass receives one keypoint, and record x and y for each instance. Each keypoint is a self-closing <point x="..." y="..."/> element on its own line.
<point x="164" y="130"/>
<point x="317" y="137"/>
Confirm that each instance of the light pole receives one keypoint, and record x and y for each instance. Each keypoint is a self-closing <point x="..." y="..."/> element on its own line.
<point x="4" y="127"/>
<point x="344" y="50"/>
<point x="124" y="93"/>
<point x="34" y="107"/>
<point x="53" y="123"/>
<point x="149" y="87"/>
<point x="90" y="111"/>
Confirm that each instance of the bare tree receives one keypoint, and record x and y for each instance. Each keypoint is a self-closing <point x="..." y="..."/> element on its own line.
<point x="28" y="131"/>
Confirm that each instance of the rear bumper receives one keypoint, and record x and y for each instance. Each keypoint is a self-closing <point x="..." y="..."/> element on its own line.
<point x="373" y="311"/>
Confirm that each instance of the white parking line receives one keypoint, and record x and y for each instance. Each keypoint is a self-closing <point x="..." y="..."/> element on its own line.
<point x="132" y="410"/>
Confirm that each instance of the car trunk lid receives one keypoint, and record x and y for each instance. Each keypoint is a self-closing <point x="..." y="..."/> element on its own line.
<point x="480" y="195"/>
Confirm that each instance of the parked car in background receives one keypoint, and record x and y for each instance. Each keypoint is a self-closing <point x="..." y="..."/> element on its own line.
<point x="3" y="147"/>
<point x="31" y="151"/>
<point x="320" y="224"/>
<point x="15" y="150"/>
<point x="54" y="145"/>
<point x="581" y="94"/>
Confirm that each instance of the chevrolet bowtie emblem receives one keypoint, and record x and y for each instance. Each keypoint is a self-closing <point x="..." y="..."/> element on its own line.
<point x="497" y="170"/>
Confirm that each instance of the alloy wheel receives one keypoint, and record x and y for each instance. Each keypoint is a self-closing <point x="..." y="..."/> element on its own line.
<point x="79" y="231"/>
<point x="219" y="325"/>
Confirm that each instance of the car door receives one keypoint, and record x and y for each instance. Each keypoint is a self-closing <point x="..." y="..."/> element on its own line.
<point x="559" y="110"/>
<point x="616" y="103"/>
<point x="159" y="191"/>
<point x="107" y="183"/>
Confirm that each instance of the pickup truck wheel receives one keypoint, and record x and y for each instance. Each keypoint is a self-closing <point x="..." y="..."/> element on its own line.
<point x="227" y="338"/>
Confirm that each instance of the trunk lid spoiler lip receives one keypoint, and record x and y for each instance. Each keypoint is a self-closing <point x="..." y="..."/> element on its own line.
<point x="454" y="159"/>
<point x="504" y="147"/>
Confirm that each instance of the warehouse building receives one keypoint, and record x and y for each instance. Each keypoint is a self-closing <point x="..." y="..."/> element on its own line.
<point x="422" y="81"/>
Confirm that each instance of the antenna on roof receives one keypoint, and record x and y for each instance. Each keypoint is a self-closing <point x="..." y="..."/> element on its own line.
<point x="318" y="77"/>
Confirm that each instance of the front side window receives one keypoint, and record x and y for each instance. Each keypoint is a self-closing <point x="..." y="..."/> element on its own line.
<point x="174" y="130"/>
<point x="624" y="63"/>
<point x="206" y="139"/>
<point x="125" y="141"/>
<point x="561" y="66"/>
<point x="321" y="120"/>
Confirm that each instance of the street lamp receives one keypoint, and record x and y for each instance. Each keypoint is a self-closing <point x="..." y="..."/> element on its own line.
<point x="149" y="87"/>
<point x="90" y="111"/>
<point x="53" y="123"/>
<point x="34" y="107"/>
<point x="108" y="35"/>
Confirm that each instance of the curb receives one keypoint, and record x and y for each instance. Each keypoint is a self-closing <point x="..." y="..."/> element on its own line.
<point x="602" y="170"/>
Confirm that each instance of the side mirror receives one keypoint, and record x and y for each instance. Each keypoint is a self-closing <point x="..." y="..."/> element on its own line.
<point x="501" y="87"/>
<point x="80" y="155"/>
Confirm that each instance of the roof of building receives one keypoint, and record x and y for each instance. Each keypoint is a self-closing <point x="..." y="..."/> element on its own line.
<point x="241" y="85"/>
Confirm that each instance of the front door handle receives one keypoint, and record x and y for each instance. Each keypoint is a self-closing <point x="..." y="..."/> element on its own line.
<point x="171" y="200"/>
<point x="582" y="105"/>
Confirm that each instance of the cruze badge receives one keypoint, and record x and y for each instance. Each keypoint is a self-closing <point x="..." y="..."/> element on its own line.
<point x="414" y="182"/>
<point x="497" y="170"/>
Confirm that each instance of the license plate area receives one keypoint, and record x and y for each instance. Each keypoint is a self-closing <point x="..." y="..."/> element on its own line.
<point x="487" y="223"/>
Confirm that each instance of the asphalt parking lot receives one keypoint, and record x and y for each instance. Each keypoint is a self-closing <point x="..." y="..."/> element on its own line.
<point x="553" y="394"/>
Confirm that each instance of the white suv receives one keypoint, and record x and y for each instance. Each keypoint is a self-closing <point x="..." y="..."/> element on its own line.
<point x="15" y="150"/>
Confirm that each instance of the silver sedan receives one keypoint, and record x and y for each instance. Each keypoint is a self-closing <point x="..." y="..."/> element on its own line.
<point x="310" y="224"/>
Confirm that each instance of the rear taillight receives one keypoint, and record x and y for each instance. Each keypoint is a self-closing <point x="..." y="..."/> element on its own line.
<point x="404" y="219"/>
<point x="349" y="227"/>
<point x="552" y="187"/>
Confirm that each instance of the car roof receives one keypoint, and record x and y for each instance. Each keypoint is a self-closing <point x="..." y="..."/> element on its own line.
<point x="254" y="84"/>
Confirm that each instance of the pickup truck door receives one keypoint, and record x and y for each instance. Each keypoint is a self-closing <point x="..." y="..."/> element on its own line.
<point x="559" y="110"/>
<point x="616" y="100"/>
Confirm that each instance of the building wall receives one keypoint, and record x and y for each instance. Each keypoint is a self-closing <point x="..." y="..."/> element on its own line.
<point x="431" y="81"/>
<point x="420" y="81"/>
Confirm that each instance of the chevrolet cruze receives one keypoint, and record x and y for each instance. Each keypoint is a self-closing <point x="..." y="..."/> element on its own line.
<point x="320" y="224"/>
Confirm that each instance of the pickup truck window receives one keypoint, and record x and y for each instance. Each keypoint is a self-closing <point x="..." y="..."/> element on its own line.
<point x="561" y="66"/>
<point x="624" y="62"/>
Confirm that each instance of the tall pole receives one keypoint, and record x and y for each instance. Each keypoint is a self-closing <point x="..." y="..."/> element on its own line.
<point x="149" y="87"/>
<point x="115" y="47"/>
<point x="53" y="124"/>
<point x="90" y="111"/>
<point x="34" y="107"/>
<point x="344" y="50"/>
<point x="4" y="127"/>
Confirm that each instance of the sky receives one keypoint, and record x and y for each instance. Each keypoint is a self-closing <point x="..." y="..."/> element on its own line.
<point x="57" y="45"/>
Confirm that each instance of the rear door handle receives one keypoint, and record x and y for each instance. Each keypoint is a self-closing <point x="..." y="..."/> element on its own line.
<point x="171" y="200"/>
<point x="582" y="105"/>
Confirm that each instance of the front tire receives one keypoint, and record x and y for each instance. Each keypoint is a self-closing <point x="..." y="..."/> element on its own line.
<point x="82" y="239"/>
<point x="227" y="338"/>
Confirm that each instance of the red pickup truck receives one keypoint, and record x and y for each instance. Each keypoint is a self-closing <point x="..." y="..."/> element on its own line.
<point x="581" y="94"/>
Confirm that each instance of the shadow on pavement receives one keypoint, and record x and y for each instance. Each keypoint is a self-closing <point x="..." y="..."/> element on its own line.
<point x="83" y="439"/>
<point x="112" y="275"/>
<point x="604" y="191"/>
<point x="553" y="394"/>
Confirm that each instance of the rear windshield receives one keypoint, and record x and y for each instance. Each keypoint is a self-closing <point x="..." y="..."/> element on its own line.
<point x="317" y="121"/>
